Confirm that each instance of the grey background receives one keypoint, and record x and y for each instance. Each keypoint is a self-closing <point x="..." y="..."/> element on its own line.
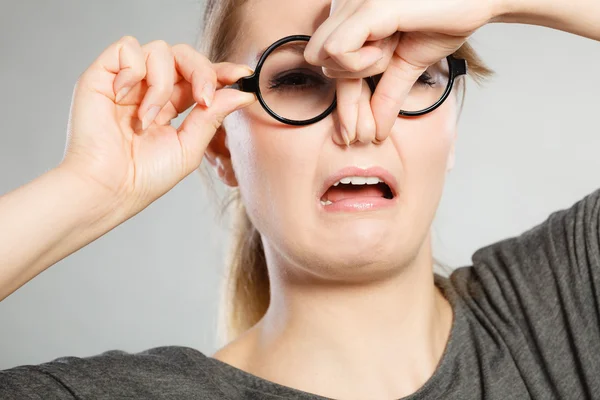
<point x="528" y="145"/>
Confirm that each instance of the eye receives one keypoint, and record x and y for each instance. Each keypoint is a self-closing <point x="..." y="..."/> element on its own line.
<point x="424" y="79"/>
<point x="296" y="80"/>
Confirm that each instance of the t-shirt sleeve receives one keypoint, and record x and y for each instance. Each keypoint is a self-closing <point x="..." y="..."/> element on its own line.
<point x="541" y="289"/>
<point x="163" y="372"/>
<point x="31" y="382"/>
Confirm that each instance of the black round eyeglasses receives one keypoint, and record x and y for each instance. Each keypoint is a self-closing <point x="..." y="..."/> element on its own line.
<point x="297" y="93"/>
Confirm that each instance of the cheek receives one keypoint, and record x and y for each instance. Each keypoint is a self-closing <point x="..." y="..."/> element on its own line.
<point x="424" y="145"/>
<point x="274" y="165"/>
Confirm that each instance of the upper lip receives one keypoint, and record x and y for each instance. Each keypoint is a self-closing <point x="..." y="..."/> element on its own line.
<point x="377" y="172"/>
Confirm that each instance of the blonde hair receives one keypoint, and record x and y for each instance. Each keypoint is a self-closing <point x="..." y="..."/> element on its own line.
<point x="247" y="290"/>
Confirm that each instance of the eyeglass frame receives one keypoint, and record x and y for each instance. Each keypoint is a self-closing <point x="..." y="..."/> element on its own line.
<point x="251" y="84"/>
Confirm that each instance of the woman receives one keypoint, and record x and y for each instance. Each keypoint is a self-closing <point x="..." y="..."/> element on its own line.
<point x="333" y="290"/>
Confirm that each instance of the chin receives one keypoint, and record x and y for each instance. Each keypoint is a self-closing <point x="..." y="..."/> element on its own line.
<point x="356" y="251"/>
<point x="358" y="267"/>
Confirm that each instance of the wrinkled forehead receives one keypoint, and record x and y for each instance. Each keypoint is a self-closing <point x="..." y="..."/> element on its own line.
<point x="266" y="21"/>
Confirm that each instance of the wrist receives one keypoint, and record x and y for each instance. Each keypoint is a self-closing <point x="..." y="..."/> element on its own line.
<point x="95" y="203"/>
<point x="505" y="10"/>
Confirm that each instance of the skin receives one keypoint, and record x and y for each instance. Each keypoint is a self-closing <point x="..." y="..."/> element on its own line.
<point x="329" y="272"/>
<point x="348" y="290"/>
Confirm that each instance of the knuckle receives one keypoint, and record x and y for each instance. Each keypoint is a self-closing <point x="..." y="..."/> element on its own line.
<point x="129" y="40"/>
<point x="160" y="45"/>
<point x="138" y="70"/>
<point x="404" y="72"/>
<point x="210" y="120"/>
<point x="163" y="88"/>
<point x="183" y="48"/>
<point x="332" y="49"/>
<point x="160" y="87"/>
<point x="387" y="98"/>
<point x="370" y="6"/>
<point x="218" y="119"/>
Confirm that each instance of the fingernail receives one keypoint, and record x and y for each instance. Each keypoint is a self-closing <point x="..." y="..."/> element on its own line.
<point x="122" y="93"/>
<point x="150" y="116"/>
<point x="345" y="136"/>
<point x="207" y="93"/>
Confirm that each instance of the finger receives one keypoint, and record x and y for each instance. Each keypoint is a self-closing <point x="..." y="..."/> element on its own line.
<point x="395" y="84"/>
<point x="314" y="52"/>
<point x="345" y="43"/>
<point x="348" y="96"/>
<point x="388" y="46"/>
<point x="229" y="73"/>
<point x="196" y="69"/>
<point x="204" y="76"/>
<point x="365" y="127"/>
<point x="119" y="68"/>
<point x="160" y="78"/>
<point x="358" y="60"/>
<point x="167" y="114"/>
<point x="184" y="95"/>
<point x="199" y="127"/>
<point x="131" y="66"/>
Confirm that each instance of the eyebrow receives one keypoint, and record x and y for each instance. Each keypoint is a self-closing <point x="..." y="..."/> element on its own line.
<point x="294" y="47"/>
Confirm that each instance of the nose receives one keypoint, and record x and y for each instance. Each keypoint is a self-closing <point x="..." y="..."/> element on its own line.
<point x="356" y="122"/>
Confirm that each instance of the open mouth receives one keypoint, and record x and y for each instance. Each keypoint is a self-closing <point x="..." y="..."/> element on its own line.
<point x="357" y="188"/>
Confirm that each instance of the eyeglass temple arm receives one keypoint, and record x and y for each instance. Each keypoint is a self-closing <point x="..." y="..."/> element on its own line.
<point x="248" y="84"/>
<point x="459" y="66"/>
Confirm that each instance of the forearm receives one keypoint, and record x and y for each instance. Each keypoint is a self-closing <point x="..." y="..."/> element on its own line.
<point x="581" y="17"/>
<point x="44" y="221"/>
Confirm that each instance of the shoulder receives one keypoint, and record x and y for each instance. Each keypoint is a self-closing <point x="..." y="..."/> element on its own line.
<point x="152" y="373"/>
<point x="176" y="362"/>
<point x="535" y="298"/>
<point x="575" y="225"/>
<point x="543" y="284"/>
<point x="175" y="356"/>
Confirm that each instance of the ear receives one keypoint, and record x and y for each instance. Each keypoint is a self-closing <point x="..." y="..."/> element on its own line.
<point x="218" y="155"/>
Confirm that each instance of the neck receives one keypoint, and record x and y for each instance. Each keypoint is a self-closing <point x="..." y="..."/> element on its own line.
<point x="380" y="339"/>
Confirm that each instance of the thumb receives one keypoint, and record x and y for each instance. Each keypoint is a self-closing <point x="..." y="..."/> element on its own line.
<point x="414" y="53"/>
<point x="391" y="91"/>
<point x="198" y="128"/>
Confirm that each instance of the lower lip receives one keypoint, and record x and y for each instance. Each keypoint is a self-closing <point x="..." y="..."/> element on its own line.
<point x="359" y="204"/>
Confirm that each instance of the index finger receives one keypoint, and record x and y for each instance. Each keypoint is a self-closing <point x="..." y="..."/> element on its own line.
<point x="196" y="69"/>
<point x="204" y="76"/>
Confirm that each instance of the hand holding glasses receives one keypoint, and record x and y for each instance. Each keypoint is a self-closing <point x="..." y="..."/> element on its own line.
<point x="297" y="93"/>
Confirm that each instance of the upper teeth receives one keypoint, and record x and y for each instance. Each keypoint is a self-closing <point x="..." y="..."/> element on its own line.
<point x="359" y="180"/>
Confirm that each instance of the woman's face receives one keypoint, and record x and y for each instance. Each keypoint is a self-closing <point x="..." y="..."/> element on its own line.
<point x="284" y="171"/>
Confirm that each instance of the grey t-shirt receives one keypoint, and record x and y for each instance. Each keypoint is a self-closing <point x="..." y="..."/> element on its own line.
<point x="526" y="326"/>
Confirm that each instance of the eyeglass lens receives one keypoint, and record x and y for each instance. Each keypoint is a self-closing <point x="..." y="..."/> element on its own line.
<point x="298" y="91"/>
